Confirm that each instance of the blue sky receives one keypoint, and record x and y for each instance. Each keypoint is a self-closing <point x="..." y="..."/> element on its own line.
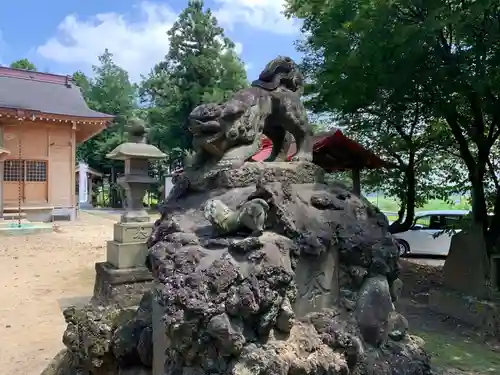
<point x="62" y="36"/>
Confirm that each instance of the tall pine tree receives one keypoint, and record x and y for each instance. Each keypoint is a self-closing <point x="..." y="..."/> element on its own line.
<point x="201" y="66"/>
<point x="110" y="91"/>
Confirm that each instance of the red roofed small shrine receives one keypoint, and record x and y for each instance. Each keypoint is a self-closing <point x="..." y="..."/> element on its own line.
<point x="333" y="151"/>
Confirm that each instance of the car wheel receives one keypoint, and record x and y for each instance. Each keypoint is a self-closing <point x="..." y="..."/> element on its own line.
<point x="403" y="247"/>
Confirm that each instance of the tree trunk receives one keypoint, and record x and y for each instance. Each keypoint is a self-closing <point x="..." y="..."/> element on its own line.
<point x="494" y="227"/>
<point x="113" y="192"/>
<point x="479" y="209"/>
<point x="480" y="213"/>
<point x="409" y="203"/>
<point x="402" y="209"/>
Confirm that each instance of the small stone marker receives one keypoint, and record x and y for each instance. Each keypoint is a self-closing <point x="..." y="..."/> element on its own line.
<point x="317" y="283"/>
<point x="466" y="267"/>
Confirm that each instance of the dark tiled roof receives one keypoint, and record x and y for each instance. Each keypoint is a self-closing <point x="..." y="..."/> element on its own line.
<point x="46" y="93"/>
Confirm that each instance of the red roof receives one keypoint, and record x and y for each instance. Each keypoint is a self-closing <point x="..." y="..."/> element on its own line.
<point x="332" y="151"/>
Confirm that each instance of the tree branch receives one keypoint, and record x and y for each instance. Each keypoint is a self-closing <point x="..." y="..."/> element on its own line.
<point x="452" y="119"/>
<point x="494" y="177"/>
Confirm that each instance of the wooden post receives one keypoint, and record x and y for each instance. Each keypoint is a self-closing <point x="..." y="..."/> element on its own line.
<point x="356" y="181"/>
<point x="1" y="172"/>
<point x="90" y="182"/>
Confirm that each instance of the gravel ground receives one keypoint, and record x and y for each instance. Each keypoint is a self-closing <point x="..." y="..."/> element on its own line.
<point x="39" y="275"/>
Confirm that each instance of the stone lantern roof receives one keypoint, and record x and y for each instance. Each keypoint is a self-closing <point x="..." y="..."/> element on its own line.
<point x="136" y="147"/>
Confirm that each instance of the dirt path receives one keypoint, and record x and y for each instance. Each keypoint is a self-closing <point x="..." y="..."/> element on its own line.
<point x="39" y="275"/>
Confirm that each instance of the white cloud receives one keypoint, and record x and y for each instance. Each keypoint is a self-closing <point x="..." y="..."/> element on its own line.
<point x="136" y="45"/>
<point x="259" y="14"/>
<point x="238" y="48"/>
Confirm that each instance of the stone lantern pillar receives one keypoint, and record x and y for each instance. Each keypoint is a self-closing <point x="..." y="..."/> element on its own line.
<point x="123" y="278"/>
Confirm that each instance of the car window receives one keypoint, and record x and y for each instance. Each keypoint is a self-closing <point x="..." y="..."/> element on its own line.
<point x="451" y="221"/>
<point x="423" y="221"/>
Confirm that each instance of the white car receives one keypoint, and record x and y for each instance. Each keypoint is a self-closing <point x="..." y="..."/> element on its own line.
<point x="420" y="238"/>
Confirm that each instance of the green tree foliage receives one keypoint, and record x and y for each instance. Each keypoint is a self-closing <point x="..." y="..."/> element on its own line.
<point x="24" y="64"/>
<point x="111" y="92"/>
<point x="407" y="138"/>
<point x="441" y="54"/>
<point x="200" y="66"/>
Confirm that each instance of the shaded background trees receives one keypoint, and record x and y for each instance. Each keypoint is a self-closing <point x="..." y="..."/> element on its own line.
<point x="414" y="82"/>
<point x="440" y="55"/>
<point x="24" y="64"/>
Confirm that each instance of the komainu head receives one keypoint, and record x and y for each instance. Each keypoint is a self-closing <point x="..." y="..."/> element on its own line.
<point x="281" y="71"/>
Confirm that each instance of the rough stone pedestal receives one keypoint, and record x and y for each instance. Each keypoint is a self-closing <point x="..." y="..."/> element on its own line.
<point x="122" y="287"/>
<point x="311" y="293"/>
<point x="160" y="338"/>
<point x="123" y="278"/>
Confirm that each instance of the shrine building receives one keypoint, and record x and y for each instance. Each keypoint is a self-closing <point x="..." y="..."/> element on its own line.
<point x="43" y="117"/>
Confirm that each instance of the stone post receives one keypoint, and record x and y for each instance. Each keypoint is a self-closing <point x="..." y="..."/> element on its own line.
<point x="123" y="278"/>
<point x="83" y="187"/>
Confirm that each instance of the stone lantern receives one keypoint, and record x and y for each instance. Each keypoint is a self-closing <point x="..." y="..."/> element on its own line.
<point x="123" y="278"/>
<point x="136" y="154"/>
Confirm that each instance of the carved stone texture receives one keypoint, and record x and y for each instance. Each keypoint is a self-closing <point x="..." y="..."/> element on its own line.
<point x="248" y="174"/>
<point x="251" y="215"/>
<point x="227" y="135"/>
<point x="312" y="294"/>
<point x="317" y="282"/>
<point x="106" y="340"/>
<point x="272" y="106"/>
<point x="228" y="301"/>
<point x="259" y="269"/>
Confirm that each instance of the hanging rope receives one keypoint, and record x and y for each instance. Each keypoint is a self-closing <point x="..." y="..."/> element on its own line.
<point x="20" y="179"/>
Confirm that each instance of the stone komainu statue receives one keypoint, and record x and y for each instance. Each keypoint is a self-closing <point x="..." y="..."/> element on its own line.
<point x="271" y="106"/>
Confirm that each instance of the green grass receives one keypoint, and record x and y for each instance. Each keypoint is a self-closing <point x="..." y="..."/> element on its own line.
<point x="102" y="199"/>
<point x="391" y="204"/>
<point x="463" y="354"/>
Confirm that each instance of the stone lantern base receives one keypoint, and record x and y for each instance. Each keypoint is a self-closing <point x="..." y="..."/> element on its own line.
<point x="121" y="287"/>
<point x="124" y="278"/>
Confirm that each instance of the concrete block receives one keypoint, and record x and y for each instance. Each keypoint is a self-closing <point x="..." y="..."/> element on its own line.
<point x="10" y="228"/>
<point x="132" y="232"/>
<point x="126" y="255"/>
<point x="123" y="287"/>
<point x="467" y="263"/>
